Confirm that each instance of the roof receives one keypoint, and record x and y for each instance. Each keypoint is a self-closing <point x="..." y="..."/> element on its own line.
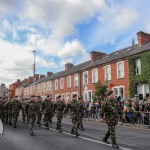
<point x="120" y="54"/>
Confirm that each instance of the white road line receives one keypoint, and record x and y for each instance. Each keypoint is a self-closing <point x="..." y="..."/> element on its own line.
<point x="88" y="139"/>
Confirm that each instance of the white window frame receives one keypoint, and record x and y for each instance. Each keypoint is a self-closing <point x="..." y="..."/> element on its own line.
<point x="118" y="87"/>
<point x="93" y="79"/>
<point x="62" y="84"/>
<point x="76" y="82"/>
<point x="48" y="86"/>
<point x="31" y="90"/>
<point x="43" y="88"/>
<point x="86" y="72"/>
<point x="68" y="85"/>
<point x="137" y="67"/>
<point x="56" y="85"/>
<point x="87" y="93"/>
<point x="120" y="62"/>
<point x="38" y="88"/>
<point x="107" y="73"/>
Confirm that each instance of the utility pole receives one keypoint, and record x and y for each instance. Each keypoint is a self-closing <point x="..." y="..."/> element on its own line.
<point x="34" y="65"/>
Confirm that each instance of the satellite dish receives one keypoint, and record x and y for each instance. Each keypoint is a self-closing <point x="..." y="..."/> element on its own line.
<point x="1" y="129"/>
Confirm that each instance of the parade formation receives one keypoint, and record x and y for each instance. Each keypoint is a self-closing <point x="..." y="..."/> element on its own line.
<point x="34" y="109"/>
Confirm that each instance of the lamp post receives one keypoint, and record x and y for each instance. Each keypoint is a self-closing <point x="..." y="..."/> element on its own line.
<point x="34" y="65"/>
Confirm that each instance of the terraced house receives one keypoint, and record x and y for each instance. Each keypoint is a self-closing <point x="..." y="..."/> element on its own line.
<point x="127" y="72"/>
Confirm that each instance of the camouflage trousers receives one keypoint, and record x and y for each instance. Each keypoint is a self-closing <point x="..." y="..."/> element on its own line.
<point x="80" y="123"/>
<point x="75" y="124"/>
<point x="59" y="119"/>
<point x="23" y="114"/>
<point x="32" y="119"/>
<point x="48" y="118"/>
<point x="39" y="117"/>
<point x="5" y="117"/>
<point x="10" y="118"/>
<point x="111" y="132"/>
<point x="15" y="117"/>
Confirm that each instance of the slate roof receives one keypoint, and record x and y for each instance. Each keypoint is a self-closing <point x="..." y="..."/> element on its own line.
<point x="120" y="54"/>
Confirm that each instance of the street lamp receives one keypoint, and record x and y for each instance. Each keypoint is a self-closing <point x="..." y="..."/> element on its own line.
<point x="34" y="65"/>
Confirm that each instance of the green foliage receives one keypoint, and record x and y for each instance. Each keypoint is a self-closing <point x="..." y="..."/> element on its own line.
<point x="100" y="89"/>
<point x="144" y="77"/>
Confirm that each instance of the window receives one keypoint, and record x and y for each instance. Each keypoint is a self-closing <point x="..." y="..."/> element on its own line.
<point x="143" y="91"/>
<point x="118" y="91"/>
<point x="120" y="70"/>
<point x="85" y="78"/>
<point x="43" y="87"/>
<point x="38" y="88"/>
<point x="107" y="72"/>
<point x="67" y="97"/>
<point x="138" y="66"/>
<point x="61" y="83"/>
<point x="87" y="95"/>
<point x="25" y="91"/>
<point x="94" y="75"/>
<point x="56" y="84"/>
<point x="76" y="80"/>
<point x="31" y="92"/>
<point x="69" y="82"/>
<point x="49" y="86"/>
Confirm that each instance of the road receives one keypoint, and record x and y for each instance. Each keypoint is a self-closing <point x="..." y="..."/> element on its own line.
<point x="91" y="139"/>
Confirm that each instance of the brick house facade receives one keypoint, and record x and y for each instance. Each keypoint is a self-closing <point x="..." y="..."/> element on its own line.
<point x="81" y="79"/>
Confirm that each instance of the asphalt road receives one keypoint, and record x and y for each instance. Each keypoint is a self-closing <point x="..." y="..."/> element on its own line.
<point x="90" y="139"/>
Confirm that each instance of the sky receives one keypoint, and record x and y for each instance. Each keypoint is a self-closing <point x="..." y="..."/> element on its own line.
<point x="62" y="31"/>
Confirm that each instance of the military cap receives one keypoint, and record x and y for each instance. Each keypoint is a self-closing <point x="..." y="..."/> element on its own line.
<point x="75" y="95"/>
<point x="32" y="96"/>
<point x="109" y="93"/>
<point x="58" y="96"/>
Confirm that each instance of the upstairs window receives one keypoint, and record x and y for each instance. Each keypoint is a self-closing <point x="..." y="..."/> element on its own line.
<point x="94" y="75"/>
<point x="120" y="70"/>
<point x="61" y="83"/>
<point x="69" y="82"/>
<point x="107" y="73"/>
<point x="56" y="84"/>
<point x="76" y="80"/>
<point x="85" y="78"/>
<point x="138" y="66"/>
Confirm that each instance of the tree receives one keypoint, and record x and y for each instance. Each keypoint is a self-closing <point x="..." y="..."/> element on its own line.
<point x="101" y="89"/>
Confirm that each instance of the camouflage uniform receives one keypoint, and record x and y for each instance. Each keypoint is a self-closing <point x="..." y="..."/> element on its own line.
<point x="32" y="110"/>
<point x="2" y="110"/>
<point x="16" y="107"/>
<point x="47" y="109"/>
<point x="74" y="106"/>
<point x="23" y="110"/>
<point x="110" y="109"/>
<point x="81" y="113"/>
<point x="5" y="111"/>
<point x="58" y="108"/>
<point x="39" y="111"/>
<point x="10" y="112"/>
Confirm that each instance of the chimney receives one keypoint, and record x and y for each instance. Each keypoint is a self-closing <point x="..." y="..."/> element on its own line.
<point x="42" y="76"/>
<point x="68" y="66"/>
<point x="30" y="79"/>
<point x="49" y="74"/>
<point x="143" y="38"/>
<point x="18" y="82"/>
<point x="36" y="77"/>
<point x="95" y="55"/>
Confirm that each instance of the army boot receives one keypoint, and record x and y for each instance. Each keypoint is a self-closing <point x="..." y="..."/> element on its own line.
<point x="15" y="126"/>
<point x="47" y="126"/>
<point x="105" y="140"/>
<point x="10" y="123"/>
<point x="60" y="130"/>
<point x="77" y="134"/>
<point x="114" y="144"/>
<point x="72" y="131"/>
<point x="31" y="132"/>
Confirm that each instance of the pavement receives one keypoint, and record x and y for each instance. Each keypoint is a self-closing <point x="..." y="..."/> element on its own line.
<point x="128" y="138"/>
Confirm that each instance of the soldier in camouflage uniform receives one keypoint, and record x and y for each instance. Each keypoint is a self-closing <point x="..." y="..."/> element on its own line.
<point x="1" y="109"/>
<point x="58" y="109"/>
<point x="39" y="111"/>
<point x="16" y="107"/>
<point x="110" y="110"/>
<point x="73" y="106"/>
<point x="10" y="111"/>
<point x="32" y="110"/>
<point x="47" y="108"/>
<point x="5" y="110"/>
<point x="23" y="110"/>
<point x="81" y="113"/>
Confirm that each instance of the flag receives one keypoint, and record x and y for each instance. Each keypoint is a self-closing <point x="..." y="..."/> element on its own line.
<point x="107" y="82"/>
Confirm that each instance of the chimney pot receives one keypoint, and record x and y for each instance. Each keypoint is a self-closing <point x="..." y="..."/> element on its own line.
<point x="143" y="37"/>
<point x="68" y="66"/>
<point x="95" y="55"/>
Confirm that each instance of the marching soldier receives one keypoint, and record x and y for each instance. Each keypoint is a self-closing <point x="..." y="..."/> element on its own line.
<point x="5" y="110"/>
<point x="23" y="110"/>
<point x="73" y="106"/>
<point x="16" y="107"/>
<point x="81" y="113"/>
<point x="47" y="109"/>
<point x="39" y="111"/>
<point x="58" y="109"/>
<point x="1" y="109"/>
<point x="10" y="111"/>
<point x="110" y="110"/>
<point x="32" y="110"/>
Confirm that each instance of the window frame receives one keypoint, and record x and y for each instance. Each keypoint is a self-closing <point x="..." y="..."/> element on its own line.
<point x="56" y="87"/>
<point x="75" y="80"/>
<point x="105" y="73"/>
<point x="61" y="86"/>
<point x="96" y="69"/>
<point x="68" y="85"/>
<point x="120" y="62"/>
<point x="136" y="67"/>
<point x="84" y="78"/>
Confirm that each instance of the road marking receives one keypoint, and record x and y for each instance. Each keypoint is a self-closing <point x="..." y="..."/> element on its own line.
<point x="81" y="137"/>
